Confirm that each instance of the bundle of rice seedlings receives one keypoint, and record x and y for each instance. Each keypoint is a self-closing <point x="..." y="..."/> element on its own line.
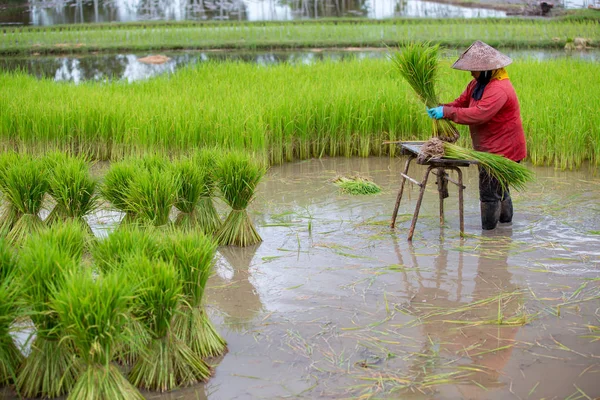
<point x="192" y="255"/>
<point x="69" y="237"/>
<point x="8" y="212"/>
<point x="10" y="356"/>
<point x="115" y="187"/>
<point x="110" y="253"/>
<point x="238" y="175"/>
<point x="151" y="195"/>
<point x="190" y="187"/>
<point x="507" y="172"/>
<point x="167" y="361"/>
<point x="418" y="65"/>
<point x="356" y="185"/>
<point x="51" y="369"/>
<point x="25" y="185"/>
<point x="73" y="190"/>
<point x="206" y="213"/>
<point x="94" y="314"/>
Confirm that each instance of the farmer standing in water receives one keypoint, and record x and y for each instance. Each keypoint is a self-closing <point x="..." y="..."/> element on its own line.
<point x="490" y="107"/>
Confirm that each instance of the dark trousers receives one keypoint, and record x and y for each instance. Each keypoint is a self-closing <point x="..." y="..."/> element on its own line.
<point x="490" y="189"/>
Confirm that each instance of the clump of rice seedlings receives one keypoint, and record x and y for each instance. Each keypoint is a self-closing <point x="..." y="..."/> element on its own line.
<point x="10" y="356"/>
<point x="507" y="172"/>
<point x="418" y="65"/>
<point x="94" y="314"/>
<point x="190" y="187"/>
<point x="192" y="255"/>
<point x="206" y="213"/>
<point x="69" y="237"/>
<point x="111" y="252"/>
<point x="356" y="185"/>
<point x="51" y="369"/>
<point x="24" y="185"/>
<point x="238" y="175"/>
<point x="72" y="188"/>
<point x="115" y="187"/>
<point x="151" y="195"/>
<point x="8" y="212"/>
<point x="167" y="362"/>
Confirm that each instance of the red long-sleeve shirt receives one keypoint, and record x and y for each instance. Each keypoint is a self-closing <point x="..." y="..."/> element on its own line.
<point x="494" y="121"/>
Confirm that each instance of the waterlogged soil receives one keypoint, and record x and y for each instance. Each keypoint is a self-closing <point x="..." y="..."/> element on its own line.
<point x="335" y="304"/>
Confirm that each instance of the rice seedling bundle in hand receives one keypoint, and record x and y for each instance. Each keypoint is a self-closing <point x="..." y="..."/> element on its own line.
<point x="8" y="212"/>
<point x="356" y="185"/>
<point x="25" y="185"/>
<point x="418" y="65"/>
<point x="192" y="255"/>
<point x="51" y="369"/>
<point x="115" y="187"/>
<point x="10" y="356"/>
<point x="72" y="188"/>
<point x="206" y="213"/>
<point x="167" y="361"/>
<point x="238" y="175"/>
<point x="151" y="195"/>
<point x="94" y="313"/>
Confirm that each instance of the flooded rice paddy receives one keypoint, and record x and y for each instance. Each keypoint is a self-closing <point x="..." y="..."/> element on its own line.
<point x="131" y="67"/>
<point x="334" y="304"/>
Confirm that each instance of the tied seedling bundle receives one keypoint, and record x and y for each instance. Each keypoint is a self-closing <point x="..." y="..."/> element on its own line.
<point x="507" y="172"/>
<point x="24" y="185"/>
<point x="68" y="237"/>
<point x="9" y="214"/>
<point x="356" y="185"/>
<point x="206" y="213"/>
<point x="238" y="175"/>
<point x="167" y="362"/>
<point x="115" y="187"/>
<point x="10" y="356"/>
<point x="192" y="255"/>
<point x="418" y="65"/>
<point x="94" y="313"/>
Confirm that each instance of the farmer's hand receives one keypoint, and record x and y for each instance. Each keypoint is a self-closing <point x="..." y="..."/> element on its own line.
<point x="436" y="112"/>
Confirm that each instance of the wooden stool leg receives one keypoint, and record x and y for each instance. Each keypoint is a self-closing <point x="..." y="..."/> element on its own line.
<point x="441" y="176"/>
<point x="418" y="206"/>
<point x="461" y="212"/>
<point x="403" y="181"/>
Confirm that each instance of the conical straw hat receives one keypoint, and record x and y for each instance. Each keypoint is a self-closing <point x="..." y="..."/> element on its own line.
<point x="481" y="57"/>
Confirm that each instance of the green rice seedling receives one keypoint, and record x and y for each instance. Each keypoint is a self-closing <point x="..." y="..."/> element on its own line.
<point x="25" y="185"/>
<point x="167" y="361"/>
<point x="69" y="237"/>
<point x="190" y="187"/>
<point x="73" y="190"/>
<point x="151" y="196"/>
<point x="507" y="172"/>
<point x="418" y="65"/>
<point x="51" y="369"/>
<point x="94" y="313"/>
<point x="8" y="212"/>
<point x="115" y="187"/>
<point x="10" y="356"/>
<point x="192" y="255"/>
<point x="238" y="175"/>
<point x="356" y="185"/>
<point x="111" y="252"/>
<point x="206" y="213"/>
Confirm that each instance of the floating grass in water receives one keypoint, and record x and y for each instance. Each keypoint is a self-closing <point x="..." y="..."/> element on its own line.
<point x="151" y="195"/>
<point x="192" y="255"/>
<point x="206" y="213"/>
<point x="356" y="185"/>
<point x="24" y="185"/>
<point x="94" y="313"/>
<point x="238" y="175"/>
<point x="51" y="369"/>
<point x="167" y="362"/>
<point x="72" y="188"/>
<point x="10" y="356"/>
<point x="418" y="65"/>
<point x="115" y="187"/>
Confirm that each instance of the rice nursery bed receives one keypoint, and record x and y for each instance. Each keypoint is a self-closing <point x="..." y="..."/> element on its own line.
<point x="326" y="109"/>
<point x="332" y="304"/>
<point x="513" y="32"/>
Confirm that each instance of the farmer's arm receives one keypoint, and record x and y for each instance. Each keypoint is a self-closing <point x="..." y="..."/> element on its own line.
<point x="489" y="105"/>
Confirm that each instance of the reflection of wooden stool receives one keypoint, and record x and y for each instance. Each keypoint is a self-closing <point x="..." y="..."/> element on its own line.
<point x="439" y="168"/>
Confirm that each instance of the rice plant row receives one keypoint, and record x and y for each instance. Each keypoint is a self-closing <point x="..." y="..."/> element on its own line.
<point x="288" y="112"/>
<point x="129" y="316"/>
<point x="529" y="33"/>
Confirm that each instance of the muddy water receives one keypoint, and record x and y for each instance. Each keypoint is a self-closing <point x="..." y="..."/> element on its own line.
<point x="333" y="304"/>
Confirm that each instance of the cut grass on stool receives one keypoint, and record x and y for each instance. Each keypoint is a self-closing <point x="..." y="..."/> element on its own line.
<point x="51" y="368"/>
<point x="94" y="313"/>
<point x="10" y="356"/>
<point x="167" y="362"/>
<point x="356" y="185"/>
<point x="238" y="175"/>
<point x="192" y="255"/>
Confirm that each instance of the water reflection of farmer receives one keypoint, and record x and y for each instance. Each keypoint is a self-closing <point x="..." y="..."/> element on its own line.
<point x="490" y="107"/>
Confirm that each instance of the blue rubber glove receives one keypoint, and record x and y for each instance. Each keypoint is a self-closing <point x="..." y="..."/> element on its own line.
<point x="436" y="112"/>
